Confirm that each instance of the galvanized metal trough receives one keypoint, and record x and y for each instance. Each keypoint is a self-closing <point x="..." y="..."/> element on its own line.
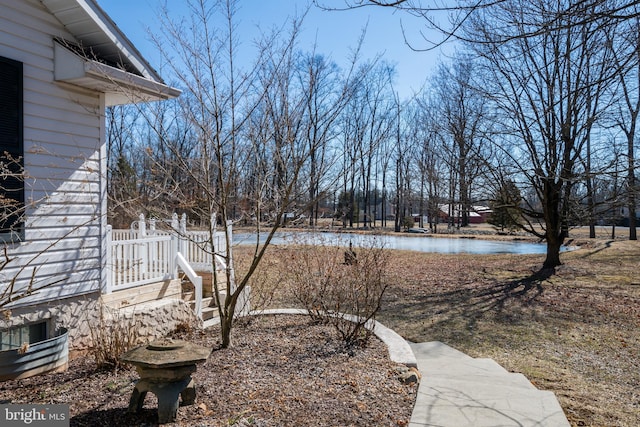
<point x="39" y="358"/>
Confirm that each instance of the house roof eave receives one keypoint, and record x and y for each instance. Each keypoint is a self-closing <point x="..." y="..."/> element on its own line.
<point x="90" y="25"/>
<point x="119" y="86"/>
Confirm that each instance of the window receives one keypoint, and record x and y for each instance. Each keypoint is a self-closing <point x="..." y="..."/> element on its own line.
<point x="16" y="336"/>
<point x="11" y="150"/>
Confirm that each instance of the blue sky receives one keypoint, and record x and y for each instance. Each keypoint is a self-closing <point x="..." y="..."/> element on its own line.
<point x="336" y="32"/>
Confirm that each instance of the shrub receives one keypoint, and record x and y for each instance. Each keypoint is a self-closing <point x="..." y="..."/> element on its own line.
<point x="266" y="282"/>
<point x="346" y="295"/>
<point x="113" y="334"/>
<point x="407" y="222"/>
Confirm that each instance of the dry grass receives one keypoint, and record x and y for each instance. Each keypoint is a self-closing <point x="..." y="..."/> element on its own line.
<point x="576" y="333"/>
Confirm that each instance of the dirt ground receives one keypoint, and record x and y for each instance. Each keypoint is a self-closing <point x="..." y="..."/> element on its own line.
<point x="576" y="332"/>
<point x="281" y="371"/>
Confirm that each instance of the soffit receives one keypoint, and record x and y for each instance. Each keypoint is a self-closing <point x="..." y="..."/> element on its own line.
<point x="97" y="33"/>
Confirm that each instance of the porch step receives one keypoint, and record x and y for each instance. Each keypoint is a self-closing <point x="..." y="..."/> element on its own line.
<point x="209" y="308"/>
<point x="207" y="283"/>
<point x="209" y="313"/>
<point x="190" y="295"/>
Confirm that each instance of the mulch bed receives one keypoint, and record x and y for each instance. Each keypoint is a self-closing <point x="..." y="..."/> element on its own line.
<point x="281" y="370"/>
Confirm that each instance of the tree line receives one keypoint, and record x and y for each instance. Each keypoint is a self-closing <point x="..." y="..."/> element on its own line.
<point x="534" y="115"/>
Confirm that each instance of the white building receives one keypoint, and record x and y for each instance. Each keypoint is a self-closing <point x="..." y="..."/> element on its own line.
<point x="62" y="62"/>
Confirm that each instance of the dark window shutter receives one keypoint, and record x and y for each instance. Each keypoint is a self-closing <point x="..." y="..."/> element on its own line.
<point x="11" y="146"/>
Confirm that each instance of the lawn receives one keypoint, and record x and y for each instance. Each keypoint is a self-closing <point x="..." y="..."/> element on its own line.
<point x="576" y="332"/>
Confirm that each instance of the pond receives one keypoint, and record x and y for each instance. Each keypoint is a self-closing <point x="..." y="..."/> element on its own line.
<point x="424" y="243"/>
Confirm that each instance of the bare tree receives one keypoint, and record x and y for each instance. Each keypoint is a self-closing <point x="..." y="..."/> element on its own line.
<point x="626" y="56"/>
<point x="325" y="101"/>
<point x="403" y="155"/>
<point x="541" y="85"/>
<point x="125" y="165"/>
<point x="448" y="18"/>
<point x="364" y="126"/>
<point x="377" y="118"/>
<point x="219" y="105"/>
<point x="462" y="123"/>
<point x="259" y="131"/>
<point x="350" y="128"/>
<point x="430" y="162"/>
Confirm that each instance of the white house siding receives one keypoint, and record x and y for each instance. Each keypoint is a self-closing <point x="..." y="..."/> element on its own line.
<point x="62" y="138"/>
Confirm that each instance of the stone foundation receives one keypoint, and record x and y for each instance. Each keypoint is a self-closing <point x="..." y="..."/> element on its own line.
<point x="75" y="314"/>
<point x="87" y="314"/>
<point x="155" y="319"/>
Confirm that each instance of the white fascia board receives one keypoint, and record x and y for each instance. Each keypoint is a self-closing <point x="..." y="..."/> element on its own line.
<point x="110" y="29"/>
<point x="119" y="86"/>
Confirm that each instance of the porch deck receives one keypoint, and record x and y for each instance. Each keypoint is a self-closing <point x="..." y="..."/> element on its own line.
<point x="146" y="264"/>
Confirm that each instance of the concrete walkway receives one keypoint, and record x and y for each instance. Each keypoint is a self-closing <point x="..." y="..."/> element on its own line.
<point x="457" y="390"/>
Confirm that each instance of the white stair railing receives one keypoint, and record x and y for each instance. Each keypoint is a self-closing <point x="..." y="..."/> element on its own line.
<point x="194" y="278"/>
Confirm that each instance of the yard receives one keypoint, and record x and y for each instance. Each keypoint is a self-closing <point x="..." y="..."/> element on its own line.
<point x="576" y="333"/>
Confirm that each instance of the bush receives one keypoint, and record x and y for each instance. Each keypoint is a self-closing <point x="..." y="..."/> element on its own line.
<point x="408" y="222"/>
<point x="266" y="281"/>
<point x="112" y="335"/>
<point x="346" y="295"/>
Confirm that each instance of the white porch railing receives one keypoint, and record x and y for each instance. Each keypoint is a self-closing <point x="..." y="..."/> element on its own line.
<point x="139" y="261"/>
<point x="142" y="255"/>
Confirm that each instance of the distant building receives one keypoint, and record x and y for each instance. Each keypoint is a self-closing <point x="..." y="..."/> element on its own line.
<point x="623" y="213"/>
<point x="452" y="213"/>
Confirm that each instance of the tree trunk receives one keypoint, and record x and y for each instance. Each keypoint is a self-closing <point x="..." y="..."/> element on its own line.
<point x="631" y="193"/>
<point x="554" y="242"/>
<point x="591" y="205"/>
<point x="556" y="227"/>
<point x="632" y="222"/>
<point x="226" y="324"/>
